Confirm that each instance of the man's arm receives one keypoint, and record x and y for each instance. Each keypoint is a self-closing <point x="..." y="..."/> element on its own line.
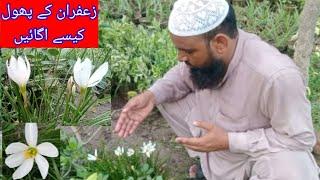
<point x="284" y="101"/>
<point x="174" y="85"/>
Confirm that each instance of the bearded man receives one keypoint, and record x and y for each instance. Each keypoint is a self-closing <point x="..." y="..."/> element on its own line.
<point x="233" y="100"/>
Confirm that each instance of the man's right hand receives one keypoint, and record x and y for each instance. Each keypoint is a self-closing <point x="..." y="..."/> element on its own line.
<point x="134" y="112"/>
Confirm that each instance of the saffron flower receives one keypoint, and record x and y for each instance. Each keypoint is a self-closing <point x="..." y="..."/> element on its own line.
<point x="82" y="73"/>
<point x="23" y="155"/>
<point x="148" y="148"/>
<point x="119" y="151"/>
<point x="19" y="71"/>
<point x="93" y="157"/>
<point x="130" y="152"/>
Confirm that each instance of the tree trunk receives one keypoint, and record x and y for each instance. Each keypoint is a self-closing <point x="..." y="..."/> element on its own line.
<point x="305" y="42"/>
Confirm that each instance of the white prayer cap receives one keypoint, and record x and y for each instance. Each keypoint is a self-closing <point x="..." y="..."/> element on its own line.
<point x="195" y="17"/>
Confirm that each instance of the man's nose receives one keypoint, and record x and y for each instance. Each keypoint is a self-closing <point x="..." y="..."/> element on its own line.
<point x="182" y="57"/>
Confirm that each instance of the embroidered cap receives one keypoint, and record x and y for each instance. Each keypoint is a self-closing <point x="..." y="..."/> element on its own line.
<point x="195" y="17"/>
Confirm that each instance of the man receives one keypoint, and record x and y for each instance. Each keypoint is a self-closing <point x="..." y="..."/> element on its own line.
<point x="233" y="100"/>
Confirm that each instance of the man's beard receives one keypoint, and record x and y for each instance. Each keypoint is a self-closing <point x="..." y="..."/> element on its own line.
<point x="210" y="76"/>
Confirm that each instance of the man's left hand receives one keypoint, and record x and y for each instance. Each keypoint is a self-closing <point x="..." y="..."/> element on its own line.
<point x="215" y="139"/>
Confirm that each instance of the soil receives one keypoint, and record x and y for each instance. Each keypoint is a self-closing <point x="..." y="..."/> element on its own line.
<point x="154" y="129"/>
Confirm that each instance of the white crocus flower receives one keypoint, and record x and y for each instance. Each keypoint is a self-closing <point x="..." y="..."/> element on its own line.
<point x="130" y="152"/>
<point x="119" y="151"/>
<point x="82" y="73"/>
<point x="148" y="148"/>
<point x="19" y="71"/>
<point x="23" y="156"/>
<point x="93" y="157"/>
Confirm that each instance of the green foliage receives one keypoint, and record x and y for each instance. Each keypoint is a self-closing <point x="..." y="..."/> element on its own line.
<point x="289" y="4"/>
<point x="276" y="26"/>
<point x="314" y="81"/>
<point x="2" y="74"/>
<point x="102" y="23"/>
<point x="73" y="155"/>
<point x="140" y="11"/>
<point x="124" y="167"/>
<point x="138" y="55"/>
<point x="74" y="163"/>
<point x="48" y="98"/>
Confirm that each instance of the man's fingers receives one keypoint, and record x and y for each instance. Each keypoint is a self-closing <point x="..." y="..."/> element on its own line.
<point x="195" y="144"/>
<point x="124" y="119"/>
<point x="128" y="128"/>
<point x="120" y="122"/>
<point x="189" y="141"/>
<point x="122" y="130"/>
<point x="204" y="125"/>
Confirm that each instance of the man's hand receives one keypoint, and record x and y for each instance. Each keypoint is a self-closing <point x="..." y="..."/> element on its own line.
<point x="134" y="112"/>
<point x="216" y="139"/>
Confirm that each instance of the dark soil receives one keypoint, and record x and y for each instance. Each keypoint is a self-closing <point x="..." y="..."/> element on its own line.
<point x="156" y="129"/>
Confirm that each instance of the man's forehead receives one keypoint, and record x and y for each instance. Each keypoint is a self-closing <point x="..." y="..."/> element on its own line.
<point x="187" y="42"/>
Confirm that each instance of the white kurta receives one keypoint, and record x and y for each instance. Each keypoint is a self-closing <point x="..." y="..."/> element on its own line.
<point x="261" y="103"/>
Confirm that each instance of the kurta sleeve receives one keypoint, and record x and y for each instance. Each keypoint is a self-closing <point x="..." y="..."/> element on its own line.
<point x="284" y="101"/>
<point x="174" y="85"/>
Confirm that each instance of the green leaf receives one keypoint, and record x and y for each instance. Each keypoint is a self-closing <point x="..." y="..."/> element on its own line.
<point x="53" y="52"/>
<point x="145" y="168"/>
<point x="93" y="176"/>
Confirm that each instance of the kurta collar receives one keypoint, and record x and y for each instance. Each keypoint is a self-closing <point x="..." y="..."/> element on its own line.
<point x="236" y="57"/>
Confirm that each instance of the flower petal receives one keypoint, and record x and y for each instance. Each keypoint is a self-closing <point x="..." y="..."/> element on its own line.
<point x="95" y="152"/>
<point x="15" y="148"/>
<point x="28" y="69"/>
<point x="11" y="63"/>
<point x="98" y="75"/>
<point x="13" y="71"/>
<point x="24" y="169"/>
<point x="76" y="71"/>
<point x="15" y="160"/>
<point x="22" y="68"/>
<point x="47" y="149"/>
<point x="82" y="72"/>
<point x="86" y="68"/>
<point x="31" y="134"/>
<point x="43" y="165"/>
<point x="91" y="157"/>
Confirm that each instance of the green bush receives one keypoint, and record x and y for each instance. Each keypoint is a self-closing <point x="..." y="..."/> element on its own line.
<point x="274" y="26"/>
<point x="314" y="84"/>
<point x="108" y="165"/>
<point x="138" y="55"/>
<point x="139" y="11"/>
<point x="290" y="4"/>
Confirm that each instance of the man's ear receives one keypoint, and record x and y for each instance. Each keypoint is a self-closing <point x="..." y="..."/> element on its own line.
<point x="219" y="43"/>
